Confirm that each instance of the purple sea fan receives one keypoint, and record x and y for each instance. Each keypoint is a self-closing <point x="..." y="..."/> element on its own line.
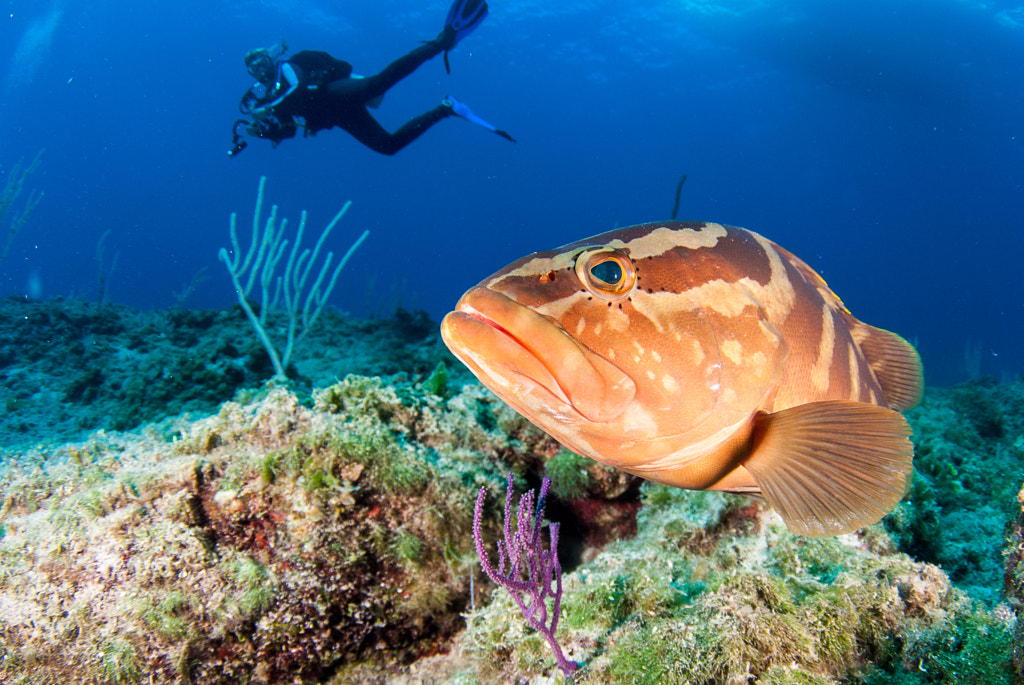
<point x="530" y="574"/>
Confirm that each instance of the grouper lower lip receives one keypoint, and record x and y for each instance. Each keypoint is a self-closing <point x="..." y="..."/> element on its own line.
<point x="507" y="341"/>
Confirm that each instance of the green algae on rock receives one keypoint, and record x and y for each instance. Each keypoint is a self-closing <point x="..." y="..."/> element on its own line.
<point x="1014" y="568"/>
<point x="969" y="461"/>
<point x="69" y="367"/>
<point x="268" y="542"/>
<point x="714" y="590"/>
<point x="324" y="537"/>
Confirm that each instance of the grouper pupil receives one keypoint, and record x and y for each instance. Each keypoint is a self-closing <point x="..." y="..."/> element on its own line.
<point x="608" y="272"/>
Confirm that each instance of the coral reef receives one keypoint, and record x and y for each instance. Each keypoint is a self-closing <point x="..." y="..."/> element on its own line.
<point x="69" y="366"/>
<point x="269" y="542"/>
<point x="1015" y="582"/>
<point x="968" y="462"/>
<point x="325" y="536"/>
<point x="714" y="590"/>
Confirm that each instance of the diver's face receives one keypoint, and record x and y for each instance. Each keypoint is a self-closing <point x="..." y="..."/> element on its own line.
<point x="262" y="68"/>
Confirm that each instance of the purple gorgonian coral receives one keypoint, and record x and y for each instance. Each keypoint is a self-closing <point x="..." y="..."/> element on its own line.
<point x="531" y="574"/>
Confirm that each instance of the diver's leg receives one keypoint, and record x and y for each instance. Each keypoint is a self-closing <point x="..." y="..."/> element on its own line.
<point x="417" y="126"/>
<point x="378" y="84"/>
<point x="464" y="17"/>
<point x="370" y="133"/>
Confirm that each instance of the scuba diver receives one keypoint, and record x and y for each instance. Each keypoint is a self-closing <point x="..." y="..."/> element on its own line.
<point x="313" y="91"/>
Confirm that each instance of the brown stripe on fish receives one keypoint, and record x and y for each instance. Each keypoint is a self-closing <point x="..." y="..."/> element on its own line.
<point x="813" y="277"/>
<point x="821" y="369"/>
<point x="537" y="279"/>
<point x="808" y="328"/>
<point x="685" y="261"/>
<point x="824" y="357"/>
<point x="711" y="280"/>
<point x="850" y="375"/>
<point x="864" y="385"/>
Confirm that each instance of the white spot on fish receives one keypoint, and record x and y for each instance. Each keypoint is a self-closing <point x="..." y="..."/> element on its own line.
<point x="733" y="350"/>
<point x="698" y="351"/>
<point x="617" y="320"/>
<point x="759" y="362"/>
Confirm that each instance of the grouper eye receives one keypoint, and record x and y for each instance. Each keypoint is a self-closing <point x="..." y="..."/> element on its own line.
<point x="606" y="272"/>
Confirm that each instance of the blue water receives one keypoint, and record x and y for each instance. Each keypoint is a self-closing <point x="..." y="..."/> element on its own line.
<point x="883" y="142"/>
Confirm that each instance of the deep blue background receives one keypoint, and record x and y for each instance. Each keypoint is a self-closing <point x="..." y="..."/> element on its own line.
<point x="883" y="142"/>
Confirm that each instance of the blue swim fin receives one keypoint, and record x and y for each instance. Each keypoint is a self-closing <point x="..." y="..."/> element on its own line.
<point x="463" y="17"/>
<point x="461" y="109"/>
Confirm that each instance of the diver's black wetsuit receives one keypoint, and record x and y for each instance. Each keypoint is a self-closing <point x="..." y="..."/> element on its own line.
<point x="327" y="95"/>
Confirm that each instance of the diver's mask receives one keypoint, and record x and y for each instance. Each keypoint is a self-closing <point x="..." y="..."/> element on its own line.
<point x="260" y="62"/>
<point x="260" y="65"/>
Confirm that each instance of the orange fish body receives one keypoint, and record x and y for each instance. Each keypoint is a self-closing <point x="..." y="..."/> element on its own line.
<point x="705" y="357"/>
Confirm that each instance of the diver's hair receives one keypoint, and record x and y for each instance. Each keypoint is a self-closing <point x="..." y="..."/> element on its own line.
<point x="253" y="55"/>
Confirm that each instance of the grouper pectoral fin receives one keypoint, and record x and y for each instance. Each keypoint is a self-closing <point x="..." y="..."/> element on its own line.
<point x="831" y="467"/>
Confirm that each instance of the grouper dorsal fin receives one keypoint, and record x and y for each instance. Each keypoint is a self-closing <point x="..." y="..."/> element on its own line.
<point x="831" y="467"/>
<point x="895" y="362"/>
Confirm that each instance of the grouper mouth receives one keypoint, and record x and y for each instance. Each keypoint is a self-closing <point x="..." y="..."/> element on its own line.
<point x="513" y="350"/>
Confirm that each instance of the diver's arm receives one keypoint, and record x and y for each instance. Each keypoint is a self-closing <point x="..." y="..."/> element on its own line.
<point x="285" y="77"/>
<point x="287" y="80"/>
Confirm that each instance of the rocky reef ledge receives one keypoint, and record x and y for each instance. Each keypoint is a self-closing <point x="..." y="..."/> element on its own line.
<point x="328" y="540"/>
<point x="325" y="537"/>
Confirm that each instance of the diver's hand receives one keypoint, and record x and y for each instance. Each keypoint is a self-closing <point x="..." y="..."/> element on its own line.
<point x="260" y="129"/>
<point x="260" y="113"/>
<point x="272" y="128"/>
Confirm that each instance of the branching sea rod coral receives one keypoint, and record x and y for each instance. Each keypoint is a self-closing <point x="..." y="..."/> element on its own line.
<point x="260" y="261"/>
<point x="531" y="574"/>
<point x="9" y="193"/>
